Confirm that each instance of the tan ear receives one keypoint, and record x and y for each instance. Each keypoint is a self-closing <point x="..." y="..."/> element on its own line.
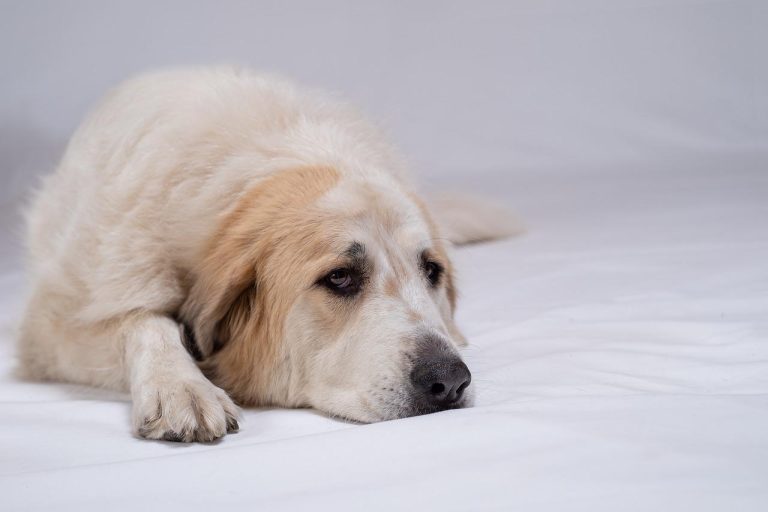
<point x="222" y="296"/>
<point x="223" y="279"/>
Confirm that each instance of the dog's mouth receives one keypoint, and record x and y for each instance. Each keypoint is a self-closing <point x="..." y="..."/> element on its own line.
<point x="392" y="403"/>
<point x="419" y="407"/>
<point x="416" y="401"/>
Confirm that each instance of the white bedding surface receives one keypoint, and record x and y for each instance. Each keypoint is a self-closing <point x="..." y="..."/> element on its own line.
<point x="620" y="353"/>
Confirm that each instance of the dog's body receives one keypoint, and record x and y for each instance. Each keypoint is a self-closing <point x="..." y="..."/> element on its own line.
<point x="267" y="231"/>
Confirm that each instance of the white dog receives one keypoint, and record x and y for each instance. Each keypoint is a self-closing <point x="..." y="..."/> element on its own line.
<point x="216" y="235"/>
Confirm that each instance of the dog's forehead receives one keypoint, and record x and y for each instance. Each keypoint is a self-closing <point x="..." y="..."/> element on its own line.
<point x="369" y="208"/>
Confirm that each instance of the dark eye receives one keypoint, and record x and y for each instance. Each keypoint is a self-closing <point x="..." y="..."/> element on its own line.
<point x="340" y="278"/>
<point x="342" y="281"/>
<point x="433" y="271"/>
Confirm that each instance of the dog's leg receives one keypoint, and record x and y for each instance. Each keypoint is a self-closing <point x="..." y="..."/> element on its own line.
<point x="172" y="400"/>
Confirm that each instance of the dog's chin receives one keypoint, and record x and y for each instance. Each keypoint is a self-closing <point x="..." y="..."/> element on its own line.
<point x="399" y="408"/>
<point x="420" y="408"/>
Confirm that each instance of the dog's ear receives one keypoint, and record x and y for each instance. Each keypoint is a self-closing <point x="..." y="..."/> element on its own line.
<point x="222" y="294"/>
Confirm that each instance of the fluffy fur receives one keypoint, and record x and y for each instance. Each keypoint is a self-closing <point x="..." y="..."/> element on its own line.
<point x="200" y="212"/>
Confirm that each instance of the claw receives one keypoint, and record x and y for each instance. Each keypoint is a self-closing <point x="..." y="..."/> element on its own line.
<point x="173" y="437"/>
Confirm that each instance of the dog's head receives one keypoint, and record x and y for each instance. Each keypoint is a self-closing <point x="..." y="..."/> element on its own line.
<point x="331" y="292"/>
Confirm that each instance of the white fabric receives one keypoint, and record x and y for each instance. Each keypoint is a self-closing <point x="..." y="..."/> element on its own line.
<point x="620" y="352"/>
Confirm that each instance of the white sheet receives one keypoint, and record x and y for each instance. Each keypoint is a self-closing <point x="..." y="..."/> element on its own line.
<point x="620" y="352"/>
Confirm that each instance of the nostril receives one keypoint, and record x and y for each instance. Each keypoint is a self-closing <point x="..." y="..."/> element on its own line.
<point x="437" y="388"/>
<point x="460" y="389"/>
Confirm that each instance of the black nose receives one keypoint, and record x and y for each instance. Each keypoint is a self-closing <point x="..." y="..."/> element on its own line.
<point x="440" y="379"/>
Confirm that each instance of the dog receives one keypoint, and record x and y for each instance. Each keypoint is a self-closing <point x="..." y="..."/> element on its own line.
<point x="215" y="237"/>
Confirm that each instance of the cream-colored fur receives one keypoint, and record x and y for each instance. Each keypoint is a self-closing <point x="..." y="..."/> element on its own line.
<point x="212" y="201"/>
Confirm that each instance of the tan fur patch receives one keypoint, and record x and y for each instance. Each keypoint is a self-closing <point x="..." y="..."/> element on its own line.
<point x="251" y="276"/>
<point x="391" y="288"/>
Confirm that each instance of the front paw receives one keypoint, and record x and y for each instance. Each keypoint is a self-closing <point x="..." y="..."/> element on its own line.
<point x="183" y="411"/>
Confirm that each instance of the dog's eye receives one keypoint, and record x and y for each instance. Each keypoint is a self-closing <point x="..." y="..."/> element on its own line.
<point x="342" y="281"/>
<point x="340" y="278"/>
<point x="433" y="271"/>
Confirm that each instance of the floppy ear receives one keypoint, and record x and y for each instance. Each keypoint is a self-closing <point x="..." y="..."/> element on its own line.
<point x="222" y="297"/>
<point x="224" y="284"/>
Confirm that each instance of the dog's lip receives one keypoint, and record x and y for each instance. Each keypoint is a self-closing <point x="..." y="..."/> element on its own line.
<point x="417" y="407"/>
<point x="389" y="412"/>
<point x="432" y="409"/>
<point x="397" y="403"/>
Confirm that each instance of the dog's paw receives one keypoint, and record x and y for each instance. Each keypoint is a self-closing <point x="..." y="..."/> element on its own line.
<point x="184" y="411"/>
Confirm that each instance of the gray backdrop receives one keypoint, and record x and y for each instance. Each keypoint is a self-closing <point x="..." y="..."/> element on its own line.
<point x="463" y="87"/>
